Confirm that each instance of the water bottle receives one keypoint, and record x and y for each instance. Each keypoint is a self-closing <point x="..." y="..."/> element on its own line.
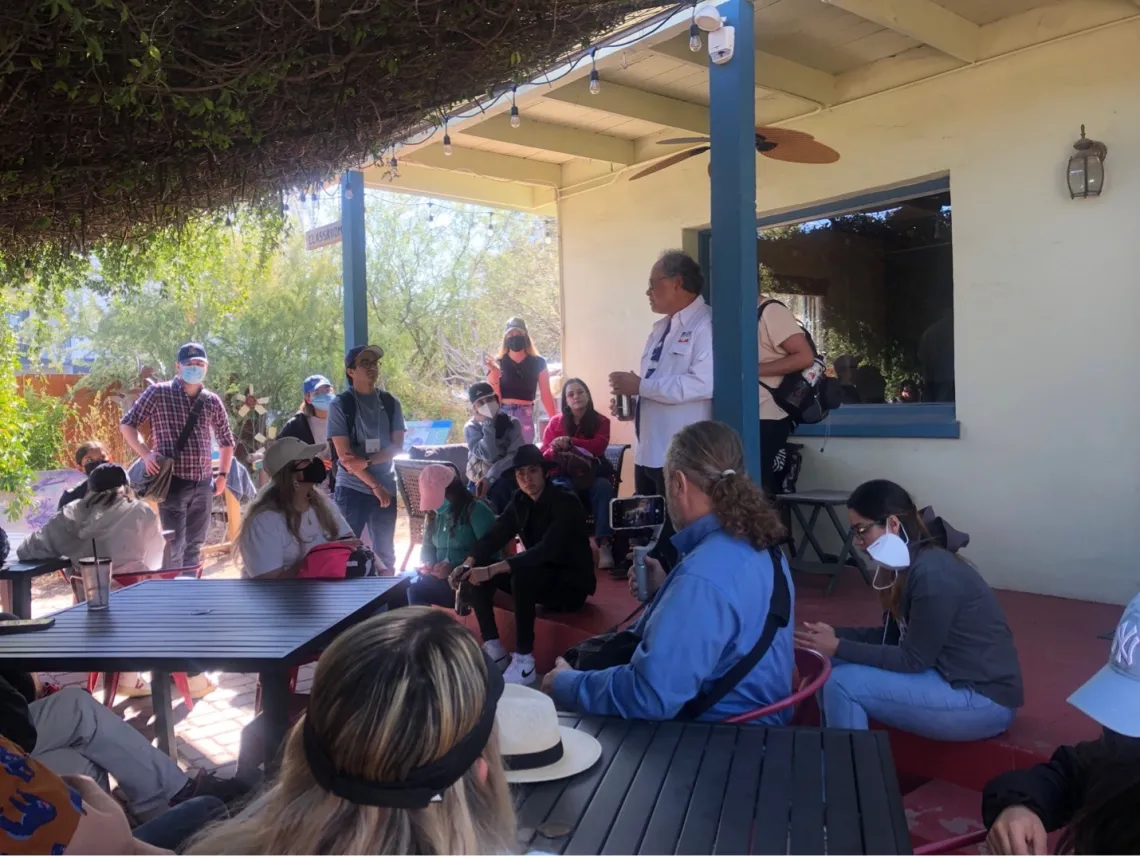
<point x="640" y="573"/>
<point x="462" y="594"/>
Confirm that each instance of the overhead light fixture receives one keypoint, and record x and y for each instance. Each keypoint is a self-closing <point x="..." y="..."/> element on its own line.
<point x="707" y="16"/>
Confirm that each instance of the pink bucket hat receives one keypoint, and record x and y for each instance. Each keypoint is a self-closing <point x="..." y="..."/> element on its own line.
<point x="434" y="479"/>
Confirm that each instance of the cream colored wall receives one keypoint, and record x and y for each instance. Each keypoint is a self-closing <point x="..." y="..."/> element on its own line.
<point x="1045" y="475"/>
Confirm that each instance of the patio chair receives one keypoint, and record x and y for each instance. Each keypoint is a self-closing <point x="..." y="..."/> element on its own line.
<point x="111" y="678"/>
<point x="615" y="453"/>
<point x="951" y="845"/>
<point x="812" y="671"/>
<point x="408" y="484"/>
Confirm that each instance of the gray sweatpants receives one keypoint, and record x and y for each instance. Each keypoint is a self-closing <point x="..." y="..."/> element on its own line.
<point x="76" y="735"/>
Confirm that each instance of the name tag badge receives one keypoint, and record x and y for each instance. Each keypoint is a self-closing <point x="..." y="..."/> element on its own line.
<point x="685" y="337"/>
<point x="372" y="445"/>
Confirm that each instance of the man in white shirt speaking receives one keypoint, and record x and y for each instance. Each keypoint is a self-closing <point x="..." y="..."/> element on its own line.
<point x="675" y="384"/>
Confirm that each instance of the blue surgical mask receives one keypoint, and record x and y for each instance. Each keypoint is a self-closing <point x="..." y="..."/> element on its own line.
<point x="321" y="401"/>
<point x="192" y="374"/>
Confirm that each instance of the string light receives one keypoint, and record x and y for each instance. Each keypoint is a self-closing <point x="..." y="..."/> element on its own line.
<point x="595" y="83"/>
<point x="431" y="214"/>
<point x="516" y="121"/>
<point x="694" y="38"/>
<point x="447" y="150"/>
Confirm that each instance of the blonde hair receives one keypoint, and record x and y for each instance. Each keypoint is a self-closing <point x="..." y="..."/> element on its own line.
<point x="278" y="495"/>
<point x="710" y="455"/>
<point x="391" y="695"/>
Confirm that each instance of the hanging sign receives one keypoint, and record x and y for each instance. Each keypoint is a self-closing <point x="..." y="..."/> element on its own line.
<point x="320" y="237"/>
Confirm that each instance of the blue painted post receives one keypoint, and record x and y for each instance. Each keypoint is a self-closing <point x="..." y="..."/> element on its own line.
<point x="353" y="260"/>
<point x="732" y="120"/>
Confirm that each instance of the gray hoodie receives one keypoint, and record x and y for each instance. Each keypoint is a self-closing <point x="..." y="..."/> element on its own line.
<point x="495" y="442"/>
<point x="951" y="622"/>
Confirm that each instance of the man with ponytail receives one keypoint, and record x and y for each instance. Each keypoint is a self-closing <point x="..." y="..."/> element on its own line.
<point x="716" y="639"/>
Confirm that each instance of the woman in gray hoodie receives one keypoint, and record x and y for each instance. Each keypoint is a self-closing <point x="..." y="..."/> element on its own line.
<point x="493" y="437"/>
<point x="943" y="664"/>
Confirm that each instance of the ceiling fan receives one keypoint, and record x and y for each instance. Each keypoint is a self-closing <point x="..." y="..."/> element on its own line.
<point x="781" y="144"/>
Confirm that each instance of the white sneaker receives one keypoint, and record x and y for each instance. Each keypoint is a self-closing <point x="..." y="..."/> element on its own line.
<point x="521" y="670"/>
<point x="496" y="652"/>
<point x="605" y="556"/>
<point x="132" y="685"/>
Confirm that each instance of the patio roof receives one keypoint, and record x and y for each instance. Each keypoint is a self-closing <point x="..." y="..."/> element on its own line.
<point x="813" y="56"/>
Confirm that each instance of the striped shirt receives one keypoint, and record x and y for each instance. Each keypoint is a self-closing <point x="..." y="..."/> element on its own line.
<point x="167" y="407"/>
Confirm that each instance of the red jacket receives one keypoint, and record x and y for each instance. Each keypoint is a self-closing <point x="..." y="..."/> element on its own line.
<point x="596" y="444"/>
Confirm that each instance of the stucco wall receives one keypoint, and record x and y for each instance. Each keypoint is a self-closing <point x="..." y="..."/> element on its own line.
<point x="1047" y="301"/>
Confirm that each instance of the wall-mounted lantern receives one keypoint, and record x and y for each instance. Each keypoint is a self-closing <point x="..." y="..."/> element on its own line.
<point x="1086" y="167"/>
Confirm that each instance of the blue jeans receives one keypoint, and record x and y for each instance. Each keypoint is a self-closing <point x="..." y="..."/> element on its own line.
<point x="500" y="493"/>
<point x="923" y="704"/>
<point x="599" y="496"/>
<point x="362" y="510"/>
<point x="429" y="590"/>
<point x="172" y="829"/>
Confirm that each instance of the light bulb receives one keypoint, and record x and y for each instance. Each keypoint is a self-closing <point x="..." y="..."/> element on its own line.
<point x="348" y="193"/>
<point x="516" y="121"/>
<point x="447" y="150"/>
<point x="694" y="38"/>
<point x="595" y="84"/>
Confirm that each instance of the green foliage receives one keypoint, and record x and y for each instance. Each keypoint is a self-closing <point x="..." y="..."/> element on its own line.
<point x="43" y="436"/>
<point x="15" y="470"/>
<point x="442" y="280"/>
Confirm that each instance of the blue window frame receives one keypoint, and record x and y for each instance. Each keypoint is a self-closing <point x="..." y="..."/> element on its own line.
<point x="889" y="420"/>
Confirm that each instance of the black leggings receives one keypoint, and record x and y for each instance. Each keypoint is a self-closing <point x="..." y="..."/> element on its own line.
<point x="530" y="588"/>
<point x="773" y="436"/>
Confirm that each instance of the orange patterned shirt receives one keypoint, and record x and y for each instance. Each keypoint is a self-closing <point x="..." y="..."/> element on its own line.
<point x="39" y="811"/>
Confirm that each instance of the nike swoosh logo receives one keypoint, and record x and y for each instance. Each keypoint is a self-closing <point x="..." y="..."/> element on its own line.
<point x="530" y="673"/>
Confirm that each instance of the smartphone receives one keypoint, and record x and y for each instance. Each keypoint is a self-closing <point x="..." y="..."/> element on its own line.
<point x="11" y="627"/>
<point x="640" y="511"/>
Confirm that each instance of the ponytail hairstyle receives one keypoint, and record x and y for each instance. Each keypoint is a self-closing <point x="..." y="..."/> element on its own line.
<point x="878" y="500"/>
<point x="710" y="455"/>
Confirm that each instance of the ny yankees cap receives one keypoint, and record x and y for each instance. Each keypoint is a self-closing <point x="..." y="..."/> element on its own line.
<point x="1112" y="695"/>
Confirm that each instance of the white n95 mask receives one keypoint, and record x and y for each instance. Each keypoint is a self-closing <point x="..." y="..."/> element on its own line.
<point x="889" y="551"/>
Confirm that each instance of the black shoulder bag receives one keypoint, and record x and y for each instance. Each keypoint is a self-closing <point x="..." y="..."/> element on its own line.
<point x="155" y="488"/>
<point x="616" y="648"/>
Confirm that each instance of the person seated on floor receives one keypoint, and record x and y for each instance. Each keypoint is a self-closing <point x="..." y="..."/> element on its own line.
<point x="455" y="521"/>
<point x="1091" y="789"/>
<point x="290" y="514"/>
<point x="70" y="733"/>
<point x="709" y="615"/>
<point x="555" y="569"/>
<point x="88" y="456"/>
<point x="124" y="529"/>
<point x="576" y="440"/>
<point x="395" y="755"/>
<point x="493" y="437"/>
<point x="943" y="664"/>
<point x="72" y="815"/>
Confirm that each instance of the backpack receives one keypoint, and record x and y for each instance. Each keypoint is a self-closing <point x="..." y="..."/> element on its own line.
<point x="348" y="406"/>
<point x="810" y="395"/>
<point x="336" y="561"/>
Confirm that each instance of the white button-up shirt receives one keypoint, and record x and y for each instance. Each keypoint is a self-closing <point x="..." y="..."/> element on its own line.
<point x="681" y="389"/>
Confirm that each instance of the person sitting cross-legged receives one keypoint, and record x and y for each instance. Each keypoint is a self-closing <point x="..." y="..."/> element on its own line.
<point x="555" y="569"/>
<point x="709" y="615"/>
<point x="455" y="520"/>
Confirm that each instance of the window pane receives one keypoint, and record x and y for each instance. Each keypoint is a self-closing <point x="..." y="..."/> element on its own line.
<point x="876" y="290"/>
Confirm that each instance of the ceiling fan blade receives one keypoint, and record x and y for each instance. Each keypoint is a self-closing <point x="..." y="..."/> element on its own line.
<point x="682" y="141"/>
<point x="782" y="135"/>
<point x="677" y="158"/>
<point x="806" y="152"/>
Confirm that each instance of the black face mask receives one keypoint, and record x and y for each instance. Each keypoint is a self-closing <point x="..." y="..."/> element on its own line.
<point x="516" y="343"/>
<point x="315" y="472"/>
<point x="91" y="466"/>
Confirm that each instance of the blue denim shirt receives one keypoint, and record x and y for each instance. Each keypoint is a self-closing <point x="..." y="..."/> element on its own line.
<point x="706" y="617"/>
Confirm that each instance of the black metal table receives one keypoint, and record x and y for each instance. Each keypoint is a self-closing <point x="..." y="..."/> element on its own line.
<point x="672" y="788"/>
<point x="194" y="625"/>
<point x="21" y="573"/>
<point x="820" y="500"/>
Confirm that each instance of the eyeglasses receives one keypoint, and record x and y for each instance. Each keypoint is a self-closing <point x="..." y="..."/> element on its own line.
<point x="366" y="363"/>
<point x="860" y="531"/>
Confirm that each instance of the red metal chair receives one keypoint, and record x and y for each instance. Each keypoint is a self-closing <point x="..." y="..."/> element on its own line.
<point x="812" y="671"/>
<point x="951" y="845"/>
<point x="111" y="678"/>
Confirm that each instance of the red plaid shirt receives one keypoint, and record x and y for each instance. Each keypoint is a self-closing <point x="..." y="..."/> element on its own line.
<point x="167" y="407"/>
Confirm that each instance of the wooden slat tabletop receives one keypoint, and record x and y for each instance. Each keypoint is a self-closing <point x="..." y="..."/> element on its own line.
<point x="200" y="624"/>
<point x="30" y="569"/>
<point x="697" y="789"/>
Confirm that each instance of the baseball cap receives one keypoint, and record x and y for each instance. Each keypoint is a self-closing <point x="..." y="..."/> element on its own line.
<point x="287" y="450"/>
<point x="516" y="322"/>
<point x="479" y="391"/>
<point x="434" y="480"/>
<point x="356" y="351"/>
<point x="313" y="382"/>
<point x="1112" y="695"/>
<point x="191" y="350"/>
